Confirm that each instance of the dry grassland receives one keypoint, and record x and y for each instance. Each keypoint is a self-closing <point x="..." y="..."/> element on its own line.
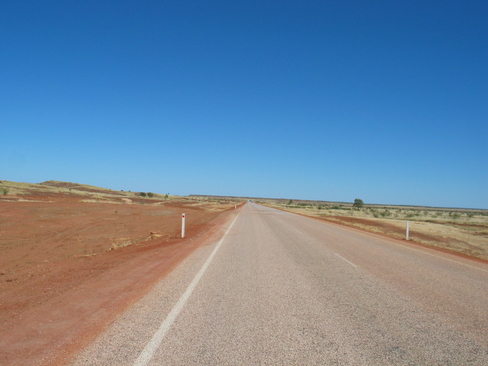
<point x="462" y="231"/>
<point x="25" y="191"/>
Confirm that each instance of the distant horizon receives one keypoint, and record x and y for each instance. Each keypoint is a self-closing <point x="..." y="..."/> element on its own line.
<point x="382" y="100"/>
<point x="254" y="197"/>
<point x="343" y="202"/>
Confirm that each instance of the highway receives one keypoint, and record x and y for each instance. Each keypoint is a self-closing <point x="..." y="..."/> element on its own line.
<point x="274" y="288"/>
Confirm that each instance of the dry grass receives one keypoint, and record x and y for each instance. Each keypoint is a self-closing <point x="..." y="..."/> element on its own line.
<point x="462" y="231"/>
<point x="18" y="191"/>
<point x="57" y="189"/>
<point x="50" y="190"/>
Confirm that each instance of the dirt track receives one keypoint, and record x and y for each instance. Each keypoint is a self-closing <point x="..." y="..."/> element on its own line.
<point x="68" y="268"/>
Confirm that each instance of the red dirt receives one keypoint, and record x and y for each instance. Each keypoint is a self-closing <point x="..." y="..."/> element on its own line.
<point x="60" y="282"/>
<point x="383" y="225"/>
<point x="386" y="228"/>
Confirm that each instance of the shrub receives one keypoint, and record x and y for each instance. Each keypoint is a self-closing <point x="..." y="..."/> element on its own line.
<point x="150" y="195"/>
<point x="4" y="191"/>
<point x="358" y="203"/>
<point x="142" y="194"/>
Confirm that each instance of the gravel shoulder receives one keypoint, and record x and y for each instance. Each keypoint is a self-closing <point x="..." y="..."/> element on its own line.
<point x="284" y="289"/>
<point x="71" y="264"/>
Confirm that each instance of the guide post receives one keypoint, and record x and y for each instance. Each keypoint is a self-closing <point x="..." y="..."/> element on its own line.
<point x="182" y="225"/>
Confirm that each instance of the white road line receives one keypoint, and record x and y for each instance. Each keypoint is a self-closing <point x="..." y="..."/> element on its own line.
<point x="438" y="256"/>
<point x="417" y="250"/>
<point x="425" y="252"/>
<point x="344" y="259"/>
<point x="148" y="351"/>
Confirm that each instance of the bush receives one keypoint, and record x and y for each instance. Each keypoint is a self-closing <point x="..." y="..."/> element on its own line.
<point x="142" y="194"/>
<point x="150" y="195"/>
<point x="4" y="191"/>
<point x="358" y="203"/>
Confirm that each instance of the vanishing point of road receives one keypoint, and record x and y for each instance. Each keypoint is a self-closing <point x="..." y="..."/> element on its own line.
<point x="275" y="288"/>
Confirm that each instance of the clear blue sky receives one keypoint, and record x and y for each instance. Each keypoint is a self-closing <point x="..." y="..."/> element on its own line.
<point x="386" y="101"/>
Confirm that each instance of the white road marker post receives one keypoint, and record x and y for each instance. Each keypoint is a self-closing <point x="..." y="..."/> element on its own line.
<point x="182" y="225"/>
<point x="407" y="233"/>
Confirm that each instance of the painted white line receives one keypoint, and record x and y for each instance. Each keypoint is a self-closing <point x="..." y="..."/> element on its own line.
<point x="344" y="259"/>
<point x="450" y="260"/>
<point x="299" y="232"/>
<point x="425" y="252"/>
<point x="151" y="347"/>
<point x="437" y="256"/>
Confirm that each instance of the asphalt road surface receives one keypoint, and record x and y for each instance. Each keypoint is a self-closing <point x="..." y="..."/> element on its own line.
<point x="276" y="288"/>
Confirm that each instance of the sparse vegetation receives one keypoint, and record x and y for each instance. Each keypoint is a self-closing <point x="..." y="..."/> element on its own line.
<point x="4" y="191"/>
<point x="358" y="203"/>
<point x="142" y="194"/>
<point x="460" y="230"/>
<point x="150" y="195"/>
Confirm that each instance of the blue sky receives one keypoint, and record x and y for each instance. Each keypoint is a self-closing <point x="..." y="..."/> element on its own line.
<point x="386" y="101"/>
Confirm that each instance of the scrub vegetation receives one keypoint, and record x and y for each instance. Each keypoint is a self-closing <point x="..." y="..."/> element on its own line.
<point x="464" y="231"/>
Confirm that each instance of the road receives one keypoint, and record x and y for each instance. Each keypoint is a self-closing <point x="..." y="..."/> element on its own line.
<point x="276" y="288"/>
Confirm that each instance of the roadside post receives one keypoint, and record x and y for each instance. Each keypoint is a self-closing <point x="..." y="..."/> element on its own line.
<point x="407" y="233"/>
<point x="182" y="225"/>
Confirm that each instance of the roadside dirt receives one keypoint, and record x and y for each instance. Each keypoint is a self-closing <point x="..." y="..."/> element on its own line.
<point x="421" y="236"/>
<point x="68" y="267"/>
<point x="463" y="238"/>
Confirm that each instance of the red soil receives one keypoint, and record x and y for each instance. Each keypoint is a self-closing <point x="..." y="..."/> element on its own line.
<point x="386" y="229"/>
<point x="60" y="282"/>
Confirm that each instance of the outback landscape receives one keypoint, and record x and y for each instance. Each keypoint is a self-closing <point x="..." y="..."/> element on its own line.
<point x="460" y="231"/>
<point x="74" y="256"/>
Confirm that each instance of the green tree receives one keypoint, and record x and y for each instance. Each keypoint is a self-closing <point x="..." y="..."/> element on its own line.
<point x="150" y="194"/>
<point x="142" y="194"/>
<point x="358" y="203"/>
